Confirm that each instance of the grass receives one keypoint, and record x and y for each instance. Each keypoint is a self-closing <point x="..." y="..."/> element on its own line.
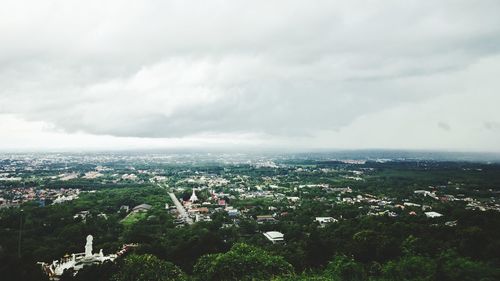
<point x="132" y="218"/>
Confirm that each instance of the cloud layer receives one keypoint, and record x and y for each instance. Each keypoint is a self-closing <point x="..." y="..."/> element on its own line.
<point x="289" y="72"/>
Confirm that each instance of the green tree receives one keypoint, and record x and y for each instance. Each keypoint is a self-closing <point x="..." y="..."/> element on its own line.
<point x="414" y="268"/>
<point x="302" y="277"/>
<point x="242" y="262"/>
<point x="345" y="269"/>
<point x="147" y="268"/>
<point x="451" y="266"/>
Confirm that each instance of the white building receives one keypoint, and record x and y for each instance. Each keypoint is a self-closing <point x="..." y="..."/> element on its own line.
<point x="325" y="220"/>
<point x="275" y="236"/>
<point x="433" y="214"/>
<point x="409" y="204"/>
<point x="141" y="208"/>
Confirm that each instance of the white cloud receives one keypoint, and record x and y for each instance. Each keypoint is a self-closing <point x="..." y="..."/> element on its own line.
<point x="287" y="73"/>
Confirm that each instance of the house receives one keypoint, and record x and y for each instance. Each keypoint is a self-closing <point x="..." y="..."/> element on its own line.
<point x="451" y="223"/>
<point x="409" y="204"/>
<point x="201" y="210"/>
<point x="200" y="217"/>
<point x="433" y="214"/>
<point x="265" y="218"/>
<point x="102" y="215"/>
<point x="325" y="220"/>
<point x="81" y="215"/>
<point x="275" y="236"/>
<point x="141" y="208"/>
<point x="233" y="213"/>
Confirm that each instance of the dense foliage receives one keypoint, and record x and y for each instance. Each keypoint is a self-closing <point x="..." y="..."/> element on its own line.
<point x="145" y="268"/>
<point x="242" y="262"/>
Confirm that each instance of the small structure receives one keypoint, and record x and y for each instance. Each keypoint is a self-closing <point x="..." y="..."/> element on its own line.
<point x="266" y="218"/>
<point x="451" y="223"/>
<point x="410" y="204"/>
<point x="141" y="208"/>
<point x="232" y="213"/>
<point x="81" y="215"/>
<point x="201" y="210"/>
<point x="433" y="214"/>
<point x="325" y="220"/>
<point x="275" y="236"/>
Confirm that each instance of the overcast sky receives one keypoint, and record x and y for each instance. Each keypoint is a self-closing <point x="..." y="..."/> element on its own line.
<point x="265" y="74"/>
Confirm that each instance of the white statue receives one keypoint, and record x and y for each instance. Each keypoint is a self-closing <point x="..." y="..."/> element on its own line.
<point x="88" y="246"/>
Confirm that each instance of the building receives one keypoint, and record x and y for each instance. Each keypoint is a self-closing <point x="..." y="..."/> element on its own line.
<point x="125" y="208"/>
<point x="141" y="208"/>
<point x="409" y="204"/>
<point x="275" y="236"/>
<point x="451" y="223"/>
<point x="82" y="215"/>
<point x="325" y="220"/>
<point x="233" y="213"/>
<point x="200" y="210"/>
<point x="433" y="214"/>
<point x="266" y="218"/>
<point x="193" y="197"/>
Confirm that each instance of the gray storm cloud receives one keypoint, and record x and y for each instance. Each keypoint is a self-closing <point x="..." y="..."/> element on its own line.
<point x="287" y="68"/>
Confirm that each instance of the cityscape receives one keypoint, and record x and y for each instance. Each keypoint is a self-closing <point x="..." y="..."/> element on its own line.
<point x="284" y="140"/>
<point x="297" y="207"/>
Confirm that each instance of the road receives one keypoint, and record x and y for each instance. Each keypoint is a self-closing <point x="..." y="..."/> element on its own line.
<point x="182" y="212"/>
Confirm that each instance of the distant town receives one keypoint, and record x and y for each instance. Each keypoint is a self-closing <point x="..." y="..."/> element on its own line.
<point x="137" y="203"/>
